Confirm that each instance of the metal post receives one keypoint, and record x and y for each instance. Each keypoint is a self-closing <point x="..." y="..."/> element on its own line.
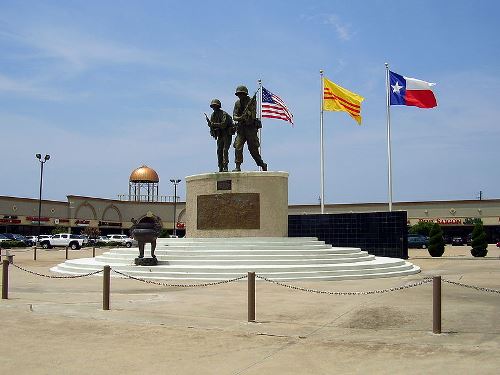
<point x="66" y="251"/>
<point x="251" y="296"/>
<point x="175" y="182"/>
<point x="321" y="150"/>
<point x="5" y="279"/>
<point x="40" y="200"/>
<point x="436" y="304"/>
<point x="34" y="252"/>
<point x="93" y="251"/>
<point x="105" y="287"/>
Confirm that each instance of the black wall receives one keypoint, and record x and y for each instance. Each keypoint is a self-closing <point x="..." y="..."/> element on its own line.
<point x="379" y="233"/>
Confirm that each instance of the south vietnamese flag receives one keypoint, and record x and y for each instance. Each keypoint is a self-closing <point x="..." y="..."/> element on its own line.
<point x="411" y="91"/>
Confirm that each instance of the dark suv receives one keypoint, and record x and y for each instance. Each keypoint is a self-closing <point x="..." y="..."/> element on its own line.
<point x="418" y="241"/>
<point x="18" y="237"/>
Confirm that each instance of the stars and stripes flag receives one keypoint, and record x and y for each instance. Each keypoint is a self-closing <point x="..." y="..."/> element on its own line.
<point x="274" y="107"/>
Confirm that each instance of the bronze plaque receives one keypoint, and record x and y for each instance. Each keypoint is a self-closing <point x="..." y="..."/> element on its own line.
<point x="229" y="211"/>
<point x="224" y="185"/>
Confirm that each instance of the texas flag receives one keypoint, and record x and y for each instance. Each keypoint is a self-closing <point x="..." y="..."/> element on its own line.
<point x="411" y="91"/>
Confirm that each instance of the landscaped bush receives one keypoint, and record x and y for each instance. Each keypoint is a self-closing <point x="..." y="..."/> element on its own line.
<point x="436" y="241"/>
<point x="11" y="244"/>
<point x="479" y="243"/>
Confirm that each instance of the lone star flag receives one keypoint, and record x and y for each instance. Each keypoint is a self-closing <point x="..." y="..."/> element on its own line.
<point x="337" y="98"/>
<point x="411" y="91"/>
<point x="274" y="107"/>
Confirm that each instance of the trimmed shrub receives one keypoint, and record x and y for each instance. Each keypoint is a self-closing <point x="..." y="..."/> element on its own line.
<point x="479" y="243"/>
<point x="11" y="244"/>
<point x="436" y="241"/>
<point x="423" y="228"/>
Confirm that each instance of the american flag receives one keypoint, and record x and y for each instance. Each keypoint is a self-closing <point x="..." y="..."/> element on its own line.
<point x="274" y="107"/>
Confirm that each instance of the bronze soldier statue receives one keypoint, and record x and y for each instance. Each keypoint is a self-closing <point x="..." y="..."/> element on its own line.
<point x="222" y="129"/>
<point x="244" y="114"/>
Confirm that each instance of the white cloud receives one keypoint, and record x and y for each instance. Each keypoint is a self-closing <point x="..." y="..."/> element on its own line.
<point x="343" y="30"/>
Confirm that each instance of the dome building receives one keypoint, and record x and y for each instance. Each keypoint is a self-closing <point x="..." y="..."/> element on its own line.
<point x="143" y="185"/>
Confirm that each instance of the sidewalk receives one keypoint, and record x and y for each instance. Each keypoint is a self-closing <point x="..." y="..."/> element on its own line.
<point x="57" y="326"/>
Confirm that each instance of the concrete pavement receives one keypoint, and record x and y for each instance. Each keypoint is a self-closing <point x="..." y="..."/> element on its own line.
<point x="54" y="326"/>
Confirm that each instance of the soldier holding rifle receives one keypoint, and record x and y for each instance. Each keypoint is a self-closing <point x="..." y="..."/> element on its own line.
<point x="222" y="129"/>
<point x="244" y="114"/>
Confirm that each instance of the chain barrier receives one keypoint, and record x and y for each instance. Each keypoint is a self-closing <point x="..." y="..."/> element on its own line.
<point x="179" y="285"/>
<point x="472" y="286"/>
<point x="55" y="277"/>
<point x="378" y="291"/>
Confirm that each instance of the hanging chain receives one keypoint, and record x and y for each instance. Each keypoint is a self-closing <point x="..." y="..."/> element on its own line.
<point x="178" y="285"/>
<point x="378" y="291"/>
<point x="472" y="286"/>
<point x="53" y="276"/>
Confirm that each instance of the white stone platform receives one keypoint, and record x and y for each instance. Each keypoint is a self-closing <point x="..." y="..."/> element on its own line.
<point x="277" y="258"/>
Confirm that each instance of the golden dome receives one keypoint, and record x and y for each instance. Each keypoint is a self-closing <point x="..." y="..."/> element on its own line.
<point x="144" y="174"/>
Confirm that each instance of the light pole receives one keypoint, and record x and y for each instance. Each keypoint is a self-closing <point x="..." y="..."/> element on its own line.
<point x="42" y="162"/>
<point x="175" y="182"/>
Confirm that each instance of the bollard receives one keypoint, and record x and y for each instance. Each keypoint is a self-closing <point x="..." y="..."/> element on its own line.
<point x="5" y="279"/>
<point x="436" y="304"/>
<point x="66" y="250"/>
<point x="105" y="287"/>
<point x="93" y="251"/>
<point x="251" y="296"/>
<point x="34" y="252"/>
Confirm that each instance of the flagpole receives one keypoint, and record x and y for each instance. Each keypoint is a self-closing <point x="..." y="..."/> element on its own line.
<point x="389" y="182"/>
<point x="260" y="117"/>
<point x="322" y="161"/>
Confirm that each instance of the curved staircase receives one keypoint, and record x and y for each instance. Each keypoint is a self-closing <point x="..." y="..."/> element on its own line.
<point x="282" y="258"/>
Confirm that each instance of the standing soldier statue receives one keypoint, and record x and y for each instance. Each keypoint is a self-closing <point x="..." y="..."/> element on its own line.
<point x="221" y="128"/>
<point x="244" y="114"/>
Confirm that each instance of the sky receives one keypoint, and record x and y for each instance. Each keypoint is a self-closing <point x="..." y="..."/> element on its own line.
<point x="105" y="87"/>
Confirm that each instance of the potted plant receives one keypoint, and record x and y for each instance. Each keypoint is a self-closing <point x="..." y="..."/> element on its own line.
<point x="479" y="243"/>
<point x="436" y="241"/>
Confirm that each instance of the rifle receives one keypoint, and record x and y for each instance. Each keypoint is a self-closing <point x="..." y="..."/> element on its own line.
<point x="212" y="130"/>
<point x="246" y="112"/>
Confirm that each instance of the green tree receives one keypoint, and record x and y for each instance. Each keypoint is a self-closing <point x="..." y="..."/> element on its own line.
<point x="91" y="232"/>
<point x="436" y="241"/>
<point x="479" y="243"/>
<point x="424" y="228"/>
<point x="59" y="229"/>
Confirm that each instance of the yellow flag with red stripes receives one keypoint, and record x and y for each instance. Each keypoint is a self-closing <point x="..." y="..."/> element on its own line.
<point x="337" y="98"/>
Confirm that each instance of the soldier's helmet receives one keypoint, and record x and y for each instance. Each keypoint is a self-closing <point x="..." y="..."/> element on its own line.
<point x="241" y="90"/>
<point x="215" y="103"/>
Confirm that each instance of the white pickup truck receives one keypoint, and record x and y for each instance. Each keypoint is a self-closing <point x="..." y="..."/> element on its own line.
<point x="73" y="241"/>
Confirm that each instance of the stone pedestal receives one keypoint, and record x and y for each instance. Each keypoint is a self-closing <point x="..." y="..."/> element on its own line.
<point x="146" y="261"/>
<point x="237" y="204"/>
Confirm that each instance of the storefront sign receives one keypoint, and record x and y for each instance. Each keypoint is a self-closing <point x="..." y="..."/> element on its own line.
<point x="472" y="221"/>
<point x="34" y="219"/>
<point x="10" y="221"/>
<point x="109" y="224"/>
<point x="442" y="221"/>
<point x="82" y="223"/>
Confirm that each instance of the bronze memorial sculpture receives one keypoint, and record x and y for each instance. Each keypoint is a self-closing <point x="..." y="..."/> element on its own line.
<point x="245" y="115"/>
<point x="222" y="129"/>
<point x="146" y="230"/>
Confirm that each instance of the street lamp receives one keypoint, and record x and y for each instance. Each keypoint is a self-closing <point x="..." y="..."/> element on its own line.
<point x="175" y="182"/>
<point x="42" y="162"/>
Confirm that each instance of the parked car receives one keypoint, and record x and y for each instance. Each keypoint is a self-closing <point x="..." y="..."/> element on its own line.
<point x="73" y="241"/>
<point x="457" y="241"/>
<point x="469" y="239"/>
<point x="125" y="240"/>
<point x="103" y="239"/>
<point x="3" y="238"/>
<point x="18" y="237"/>
<point x="418" y="241"/>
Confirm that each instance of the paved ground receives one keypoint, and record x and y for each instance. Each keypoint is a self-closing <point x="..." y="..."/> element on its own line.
<point x="52" y="326"/>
